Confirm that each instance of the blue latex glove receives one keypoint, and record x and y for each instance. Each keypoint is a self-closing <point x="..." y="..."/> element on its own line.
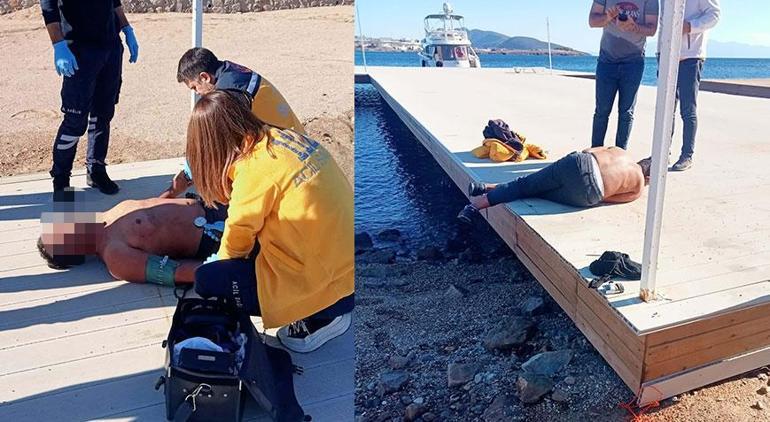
<point x="133" y="46"/>
<point x="212" y="258"/>
<point x="63" y="59"/>
<point x="187" y="171"/>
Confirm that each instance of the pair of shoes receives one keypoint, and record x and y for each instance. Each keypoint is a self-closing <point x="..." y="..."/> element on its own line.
<point x="307" y="335"/>
<point x="102" y="181"/>
<point x="682" y="164"/>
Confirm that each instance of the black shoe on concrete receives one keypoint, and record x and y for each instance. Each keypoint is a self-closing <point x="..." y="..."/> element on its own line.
<point x="100" y="180"/>
<point x="477" y="188"/>
<point x="682" y="164"/>
<point x="61" y="189"/>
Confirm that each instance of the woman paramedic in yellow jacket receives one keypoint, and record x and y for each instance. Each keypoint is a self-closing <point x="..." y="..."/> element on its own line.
<point x="289" y="201"/>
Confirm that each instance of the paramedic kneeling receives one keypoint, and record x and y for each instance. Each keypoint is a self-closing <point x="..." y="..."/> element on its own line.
<point x="285" y="192"/>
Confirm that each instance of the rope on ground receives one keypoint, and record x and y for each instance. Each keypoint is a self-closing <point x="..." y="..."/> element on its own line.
<point x="640" y="415"/>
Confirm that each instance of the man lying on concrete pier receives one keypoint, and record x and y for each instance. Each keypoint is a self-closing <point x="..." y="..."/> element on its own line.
<point x="581" y="179"/>
<point x="160" y="241"/>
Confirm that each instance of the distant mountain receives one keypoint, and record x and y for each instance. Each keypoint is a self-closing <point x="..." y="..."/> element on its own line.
<point x="737" y="50"/>
<point x="491" y="39"/>
<point x="486" y="39"/>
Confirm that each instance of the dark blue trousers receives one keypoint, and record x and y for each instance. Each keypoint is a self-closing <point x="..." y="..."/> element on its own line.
<point x="569" y="181"/>
<point x="621" y="80"/>
<point x="688" y="85"/>
<point x="236" y="280"/>
<point x="88" y="103"/>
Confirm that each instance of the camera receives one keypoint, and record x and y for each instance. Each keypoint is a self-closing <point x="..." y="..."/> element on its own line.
<point x="623" y="16"/>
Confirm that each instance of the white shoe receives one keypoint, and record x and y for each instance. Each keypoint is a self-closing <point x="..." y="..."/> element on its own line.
<point x="298" y="338"/>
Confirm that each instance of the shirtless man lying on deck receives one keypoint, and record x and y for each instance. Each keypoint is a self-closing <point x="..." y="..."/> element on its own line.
<point x="581" y="179"/>
<point x="160" y="241"/>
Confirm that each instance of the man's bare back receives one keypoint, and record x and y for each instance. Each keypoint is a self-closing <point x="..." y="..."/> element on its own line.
<point x="622" y="177"/>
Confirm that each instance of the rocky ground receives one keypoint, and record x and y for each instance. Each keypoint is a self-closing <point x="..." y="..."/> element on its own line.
<point x="465" y="333"/>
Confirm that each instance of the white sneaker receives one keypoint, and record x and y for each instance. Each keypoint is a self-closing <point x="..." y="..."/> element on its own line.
<point x="300" y="338"/>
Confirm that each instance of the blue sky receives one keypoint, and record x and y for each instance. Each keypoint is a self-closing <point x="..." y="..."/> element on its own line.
<point x="743" y="21"/>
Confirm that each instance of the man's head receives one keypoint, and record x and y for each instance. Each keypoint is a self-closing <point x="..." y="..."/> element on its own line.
<point x="197" y="69"/>
<point x="645" y="165"/>
<point x="68" y="237"/>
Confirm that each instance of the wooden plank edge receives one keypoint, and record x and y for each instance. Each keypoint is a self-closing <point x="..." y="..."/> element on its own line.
<point x="665" y="387"/>
<point x="632" y="380"/>
<point x="632" y="359"/>
<point x="567" y="306"/>
<point x="706" y="355"/>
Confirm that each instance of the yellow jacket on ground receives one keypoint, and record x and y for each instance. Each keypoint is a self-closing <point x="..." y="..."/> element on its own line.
<point x="291" y="195"/>
<point x="499" y="151"/>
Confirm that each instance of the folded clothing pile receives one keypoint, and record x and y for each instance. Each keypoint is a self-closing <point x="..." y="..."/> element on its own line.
<point x="502" y="144"/>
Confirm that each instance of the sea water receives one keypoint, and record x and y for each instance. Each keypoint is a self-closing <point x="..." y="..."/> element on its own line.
<point x="398" y="183"/>
<point x="714" y="68"/>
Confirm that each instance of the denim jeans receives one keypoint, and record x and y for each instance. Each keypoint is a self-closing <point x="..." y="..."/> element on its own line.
<point x="687" y="89"/>
<point x="569" y="181"/>
<point x="623" y="80"/>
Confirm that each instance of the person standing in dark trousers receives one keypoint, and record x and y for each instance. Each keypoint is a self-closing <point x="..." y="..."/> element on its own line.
<point x="699" y="17"/>
<point x="619" y="70"/>
<point x="89" y="55"/>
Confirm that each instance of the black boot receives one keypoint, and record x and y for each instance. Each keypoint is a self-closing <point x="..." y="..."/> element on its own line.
<point x="102" y="181"/>
<point x="467" y="214"/>
<point x="477" y="188"/>
<point x="61" y="191"/>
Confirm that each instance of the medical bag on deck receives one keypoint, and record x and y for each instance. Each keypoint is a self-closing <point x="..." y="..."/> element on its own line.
<point x="214" y="358"/>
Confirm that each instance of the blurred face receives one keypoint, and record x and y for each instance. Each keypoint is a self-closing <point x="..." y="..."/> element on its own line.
<point x="203" y="85"/>
<point x="70" y="235"/>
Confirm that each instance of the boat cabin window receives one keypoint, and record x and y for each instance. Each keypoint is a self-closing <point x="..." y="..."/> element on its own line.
<point x="454" y="52"/>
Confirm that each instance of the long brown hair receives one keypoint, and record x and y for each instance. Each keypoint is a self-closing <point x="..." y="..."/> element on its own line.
<point x="221" y="130"/>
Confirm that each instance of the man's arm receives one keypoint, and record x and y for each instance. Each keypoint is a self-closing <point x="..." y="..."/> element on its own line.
<point x="130" y="264"/>
<point x="708" y="19"/>
<point x="648" y="29"/>
<point x="122" y="19"/>
<point x="600" y="16"/>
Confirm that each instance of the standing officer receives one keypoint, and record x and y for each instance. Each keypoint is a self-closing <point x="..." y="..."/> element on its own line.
<point x="89" y="54"/>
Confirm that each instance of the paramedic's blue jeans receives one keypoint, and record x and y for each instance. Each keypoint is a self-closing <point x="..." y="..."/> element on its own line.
<point x="236" y="280"/>
<point x="687" y="94"/>
<point x="621" y="80"/>
<point x="569" y="181"/>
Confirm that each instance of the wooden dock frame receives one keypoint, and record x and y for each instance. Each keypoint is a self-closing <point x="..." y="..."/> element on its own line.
<point x="710" y="349"/>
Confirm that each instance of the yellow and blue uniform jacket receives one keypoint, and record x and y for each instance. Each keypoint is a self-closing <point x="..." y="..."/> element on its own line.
<point x="291" y="196"/>
<point x="267" y="103"/>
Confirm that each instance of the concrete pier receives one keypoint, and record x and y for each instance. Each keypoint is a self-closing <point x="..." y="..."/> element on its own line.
<point x="714" y="278"/>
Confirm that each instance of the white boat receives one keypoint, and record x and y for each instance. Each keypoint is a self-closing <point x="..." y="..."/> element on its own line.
<point x="446" y="42"/>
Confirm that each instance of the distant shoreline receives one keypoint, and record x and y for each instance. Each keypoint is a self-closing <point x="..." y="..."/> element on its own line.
<point x="567" y="53"/>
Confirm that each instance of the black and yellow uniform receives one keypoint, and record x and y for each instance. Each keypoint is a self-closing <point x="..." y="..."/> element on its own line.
<point x="267" y="103"/>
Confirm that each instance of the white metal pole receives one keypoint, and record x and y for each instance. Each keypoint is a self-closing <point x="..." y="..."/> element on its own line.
<point x="548" y="28"/>
<point x="361" y="36"/>
<point x="197" y="36"/>
<point x="670" y="42"/>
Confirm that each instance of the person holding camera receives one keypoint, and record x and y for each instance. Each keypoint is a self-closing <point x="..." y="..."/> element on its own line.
<point x="627" y="24"/>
